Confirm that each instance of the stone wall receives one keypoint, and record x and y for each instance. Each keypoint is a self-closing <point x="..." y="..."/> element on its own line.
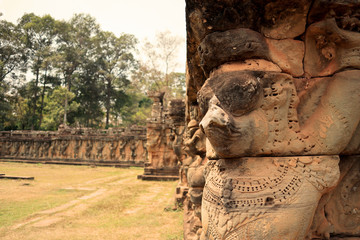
<point x="165" y="129"/>
<point x="273" y="119"/>
<point x="76" y="146"/>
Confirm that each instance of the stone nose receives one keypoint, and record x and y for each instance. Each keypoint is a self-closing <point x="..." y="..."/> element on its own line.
<point x="215" y="117"/>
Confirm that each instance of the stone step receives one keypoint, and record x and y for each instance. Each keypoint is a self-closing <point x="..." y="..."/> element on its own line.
<point x="157" y="178"/>
<point x="16" y="177"/>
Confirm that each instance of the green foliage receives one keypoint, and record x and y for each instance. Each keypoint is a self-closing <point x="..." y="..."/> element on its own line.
<point x="136" y="109"/>
<point x="56" y="72"/>
<point x="12" y="50"/>
<point x="54" y="110"/>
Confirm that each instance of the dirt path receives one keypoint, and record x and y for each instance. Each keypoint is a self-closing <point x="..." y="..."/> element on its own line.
<point x="54" y="215"/>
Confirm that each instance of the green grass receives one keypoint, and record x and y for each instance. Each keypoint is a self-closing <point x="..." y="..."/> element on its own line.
<point x="131" y="208"/>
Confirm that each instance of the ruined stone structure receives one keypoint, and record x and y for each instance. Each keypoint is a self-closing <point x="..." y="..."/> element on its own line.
<point x="165" y="129"/>
<point x="112" y="147"/>
<point x="273" y="112"/>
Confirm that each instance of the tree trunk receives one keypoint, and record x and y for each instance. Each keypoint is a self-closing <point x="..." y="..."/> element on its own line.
<point x="33" y="117"/>
<point x="42" y="99"/>
<point x="65" y="110"/>
<point x="107" y="103"/>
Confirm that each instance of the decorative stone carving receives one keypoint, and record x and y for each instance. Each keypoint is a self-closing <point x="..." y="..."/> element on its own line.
<point x="164" y="139"/>
<point x="99" y="149"/>
<point x="113" y="146"/>
<point x="75" y="146"/>
<point x="278" y="100"/>
<point x="89" y="147"/>
<point x="250" y="198"/>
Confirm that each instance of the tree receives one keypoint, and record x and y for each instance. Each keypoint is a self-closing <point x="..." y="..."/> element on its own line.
<point x="160" y="60"/>
<point x="115" y="60"/>
<point x="75" y="44"/>
<point x="39" y="34"/>
<point x="55" y="107"/>
<point x="12" y="50"/>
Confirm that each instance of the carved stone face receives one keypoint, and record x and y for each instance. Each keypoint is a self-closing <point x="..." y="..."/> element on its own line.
<point x="230" y="104"/>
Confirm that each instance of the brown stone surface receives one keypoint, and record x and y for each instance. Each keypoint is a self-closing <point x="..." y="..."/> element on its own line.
<point x="272" y="105"/>
<point x="330" y="49"/>
<point x="76" y="146"/>
<point x="164" y="138"/>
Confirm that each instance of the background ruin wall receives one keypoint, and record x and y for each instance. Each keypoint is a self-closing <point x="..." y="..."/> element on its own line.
<point x="76" y="146"/>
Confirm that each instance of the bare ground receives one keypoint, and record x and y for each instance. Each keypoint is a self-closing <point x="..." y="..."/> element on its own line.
<point x="112" y="207"/>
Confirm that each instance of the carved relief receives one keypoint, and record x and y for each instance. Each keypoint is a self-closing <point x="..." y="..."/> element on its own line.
<point x="75" y="145"/>
<point x="241" y="195"/>
<point x="88" y="149"/>
<point x="277" y="86"/>
<point x="99" y="149"/>
<point x="113" y="146"/>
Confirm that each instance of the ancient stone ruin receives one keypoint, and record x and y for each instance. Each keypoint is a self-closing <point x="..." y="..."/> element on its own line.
<point x="112" y="147"/>
<point x="273" y="111"/>
<point x="165" y="129"/>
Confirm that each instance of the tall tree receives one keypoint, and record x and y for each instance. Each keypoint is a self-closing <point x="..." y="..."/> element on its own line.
<point x="115" y="59"/>
<point x="159" y="63"/>
<point x="73" y="39"/>
<point x="85" y="82"/>
<point x="12" y="49"/>
<point x="39" y="34"/>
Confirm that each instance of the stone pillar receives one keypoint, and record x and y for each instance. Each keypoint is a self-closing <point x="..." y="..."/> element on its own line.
<point x="164" y="139"/>
<point x="274" y="88"/>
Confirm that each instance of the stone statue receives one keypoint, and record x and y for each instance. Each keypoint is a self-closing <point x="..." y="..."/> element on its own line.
<point x="26" y="151"/>
<point x="134" y="145"/>
<point x="16" y="150"/>
<point x="63" y="147"/>
<point x="54" y="148"/>
<point x="278" y="94"/>
<point x="77" y="146"/>
<point x="122" y="149"/>
<point x="36" y="149"/>
<point x="99" y="149"/>
<point x="88" y="149"/>
<point x="113" y="146"/>
<point x="7" y="148"/>
<point x="45" y="149"/>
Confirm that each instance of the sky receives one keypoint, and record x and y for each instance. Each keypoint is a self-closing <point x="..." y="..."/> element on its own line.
<point x="142" y="18"/>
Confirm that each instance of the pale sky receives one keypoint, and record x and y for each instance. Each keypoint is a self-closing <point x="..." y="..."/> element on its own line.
<point x="143" y="18"/>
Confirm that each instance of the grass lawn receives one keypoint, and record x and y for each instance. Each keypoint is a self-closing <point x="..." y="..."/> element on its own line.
<point x="80" y="202"/>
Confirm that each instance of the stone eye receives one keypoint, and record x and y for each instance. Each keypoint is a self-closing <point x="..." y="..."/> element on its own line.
<point x="239" y="94"/>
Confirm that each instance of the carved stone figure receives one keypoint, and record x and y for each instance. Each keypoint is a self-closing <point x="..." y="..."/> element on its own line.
<point x="99" y="149"/>
<point x="54" y="148"/>
<point x="277" y="85"/>
<point x="133" y="148"/>
<point x="45" y="149"/>
<point x="16" y="149"/>
<point x="7" y="148"/>
<point x="63" y="147"/>
<point x="26" y="151"/>
<point x="88" y="149"/>
<point x="36" y="149"/>
<point x="113" y="146"/>
<point x="122" y="149"/>
<point x="77" y="146"/>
